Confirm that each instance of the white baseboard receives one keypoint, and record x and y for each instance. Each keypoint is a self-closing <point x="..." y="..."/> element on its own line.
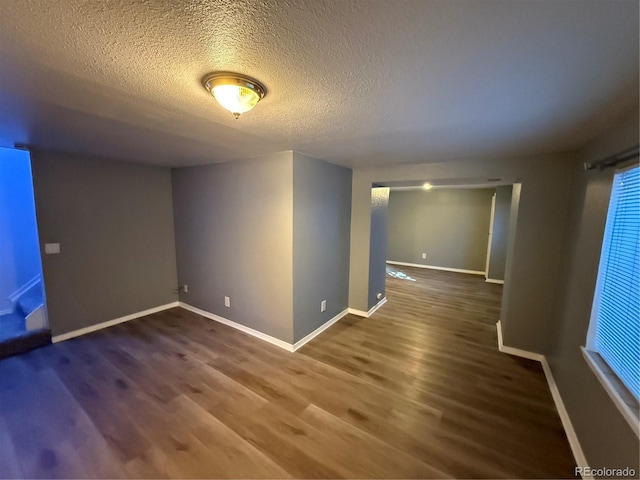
<point x="516" y="351"/>
<point x="24" y="288"/>
<point x="434" y="267"/>
<point x="319" y="330"/>
<point x="263" y="336"/>
<point x="362" y="313"/>
<point x="243" y="328"/>
<point x="494" y="280"/>
<point x="376" y="307"/>
<point x="110" y="323"/>
<point x="572" y="437"/>
<point x="574" y="443"/>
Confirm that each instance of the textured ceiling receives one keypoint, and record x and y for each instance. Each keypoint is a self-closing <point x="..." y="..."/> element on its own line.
<point x="354" y="82"/>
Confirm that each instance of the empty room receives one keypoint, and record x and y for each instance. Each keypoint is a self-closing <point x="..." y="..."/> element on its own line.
<point x="319" y="239"/>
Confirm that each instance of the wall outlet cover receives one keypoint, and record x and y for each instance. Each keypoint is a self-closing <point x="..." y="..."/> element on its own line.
<point x="51" y="248"/>
<point x="323" y="306"/>
<point x="227" y="302"/>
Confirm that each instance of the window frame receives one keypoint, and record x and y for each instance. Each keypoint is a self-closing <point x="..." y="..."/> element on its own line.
<point x="623" y="399"/>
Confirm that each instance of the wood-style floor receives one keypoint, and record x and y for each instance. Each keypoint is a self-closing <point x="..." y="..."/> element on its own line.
<point x="419" y="390"/>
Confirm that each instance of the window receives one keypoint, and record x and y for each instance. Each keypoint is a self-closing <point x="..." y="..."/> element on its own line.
<point x="613" y="343"/>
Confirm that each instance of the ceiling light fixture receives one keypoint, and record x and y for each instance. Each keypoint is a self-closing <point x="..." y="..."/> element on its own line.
<point x="234" y="91"/>
<point x="427" y="186"/>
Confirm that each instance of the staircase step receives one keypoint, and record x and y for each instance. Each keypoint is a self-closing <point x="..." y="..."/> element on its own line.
<point x="28" y="303"/>
<point x="25" y="342"/>
<point x="11" y="326"/>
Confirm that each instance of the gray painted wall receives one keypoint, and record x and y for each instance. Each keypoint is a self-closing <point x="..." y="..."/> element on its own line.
<point x="605" y="437"/>
<point x="450" y="225"/>
<point x="114" y="223"/>
<point x="321" y="230"/>
<point x="538" y="241"/>
<point x="378" y="251"/>
<point x="498" y="257"/>
<point x="234" y="237"/>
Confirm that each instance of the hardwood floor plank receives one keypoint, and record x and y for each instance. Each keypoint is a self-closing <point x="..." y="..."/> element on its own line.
<point x="281" y="443"/>
<point x="9" y="465"/>
<point x="418" y="390"/>
<point x="52" y="435"/>
<point x="108" y="398"/>
<point x="199" y="446"/>
<point x="382" y="460"/>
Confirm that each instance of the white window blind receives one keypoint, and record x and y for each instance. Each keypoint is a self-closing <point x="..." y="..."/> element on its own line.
<point x="617" y="334"/>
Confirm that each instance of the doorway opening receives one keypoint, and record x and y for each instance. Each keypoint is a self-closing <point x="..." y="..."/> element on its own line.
<point x="23" y="314"/>
<point x="450" y="236"/>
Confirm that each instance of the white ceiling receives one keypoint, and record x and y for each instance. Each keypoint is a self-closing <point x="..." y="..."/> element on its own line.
<point x="354" y="82"/>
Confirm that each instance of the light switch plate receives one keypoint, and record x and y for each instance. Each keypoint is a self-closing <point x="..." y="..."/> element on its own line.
<point x="51" y="248"/>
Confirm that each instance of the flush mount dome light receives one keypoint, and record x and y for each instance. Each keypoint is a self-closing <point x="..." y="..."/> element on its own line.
<point x="234" y="91"/>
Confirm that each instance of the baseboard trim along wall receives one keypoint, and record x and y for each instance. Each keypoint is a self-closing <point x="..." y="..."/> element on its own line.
<point x="211" y="316"/>
<point x="434" y="267"/>
<point x="574" y="443"/>
<point x="243" y="328"/>
<point x="494" y="280"/>
<point x="111" y="323"/>
<point x="372" y="310"/>
<point x="319" y="330"/>
<point x="263" y="336"/>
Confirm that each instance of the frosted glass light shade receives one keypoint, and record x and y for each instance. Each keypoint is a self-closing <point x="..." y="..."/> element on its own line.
<point x="234" y="92"/>
<point x="235" y="98"/>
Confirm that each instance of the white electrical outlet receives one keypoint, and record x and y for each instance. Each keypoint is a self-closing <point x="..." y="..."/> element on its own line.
<point x="323" y="306"/>
<point x="51" y="248"/>
<point x="185" y="288"/>
<point x="227" y="302"/>
<point x="424" y="255"/>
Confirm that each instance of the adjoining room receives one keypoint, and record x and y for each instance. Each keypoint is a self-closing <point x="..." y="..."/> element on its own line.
<point x="23" y="317"/>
